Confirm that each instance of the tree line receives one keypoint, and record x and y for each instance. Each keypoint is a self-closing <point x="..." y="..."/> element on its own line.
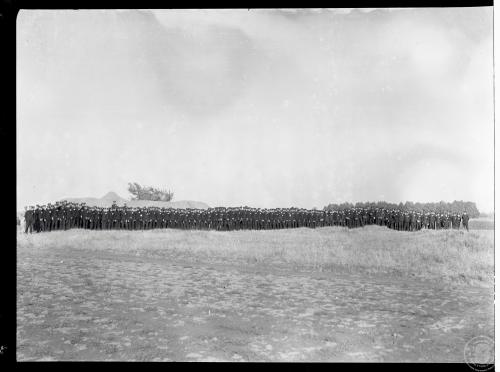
<point x="457" y="206"/>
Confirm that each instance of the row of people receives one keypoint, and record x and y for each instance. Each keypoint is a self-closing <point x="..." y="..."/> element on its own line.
<point x="65" y="215"/>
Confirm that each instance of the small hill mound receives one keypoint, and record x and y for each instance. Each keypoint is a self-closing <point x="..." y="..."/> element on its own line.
<point x="107" y="201"/>
<point x="89" y="201"/>
<point x="112" y="196"/>
<point x="160" y="204"/>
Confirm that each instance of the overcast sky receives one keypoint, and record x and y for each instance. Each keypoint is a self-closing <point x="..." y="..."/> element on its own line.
<point x="265" y="108"/>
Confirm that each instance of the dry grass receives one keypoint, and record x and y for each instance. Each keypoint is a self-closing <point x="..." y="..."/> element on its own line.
<point x="448" y="255"/>
<point x="482" y="223"/>
<point x="163" y="296"/>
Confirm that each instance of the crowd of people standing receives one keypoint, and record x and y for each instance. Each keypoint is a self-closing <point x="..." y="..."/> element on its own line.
<point x="67" y="215"/>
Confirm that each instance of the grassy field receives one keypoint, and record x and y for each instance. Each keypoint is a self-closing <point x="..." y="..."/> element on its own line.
<point x="327" y="294"/>
<point x="449" y="255"/>
<point x="482" y="223"/>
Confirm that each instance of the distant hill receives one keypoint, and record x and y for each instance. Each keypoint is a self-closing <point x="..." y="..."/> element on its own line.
<point x="112" y="196"/>
<point x="173" y="204"/>
<point x="107" y="201"/>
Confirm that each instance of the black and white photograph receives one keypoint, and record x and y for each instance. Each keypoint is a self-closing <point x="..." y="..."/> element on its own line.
<point x="255" y="185"/>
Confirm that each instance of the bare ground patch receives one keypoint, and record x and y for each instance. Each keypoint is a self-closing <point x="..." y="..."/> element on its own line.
<point x="82" y="304"/>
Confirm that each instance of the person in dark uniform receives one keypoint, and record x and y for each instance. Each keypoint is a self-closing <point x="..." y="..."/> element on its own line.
<point x="29" y="220"/>
<point x="54" y="216"/>
<point x="57" y="217"/>
<point x="432" y="221"/>
<point x="413" y="221"/>
<point x="401" y="219"/>
<point x="391" y="219"/>
<point x="124" y="218"/>
<point x="100" y="212"/>
<point x="47" y="218"/>
<point x="60" y="217"/>
<point x="104" y="219"/>
<point x="406" y="222"/>
<point x="89" y="220"/>
<point x="333" y="218"/>
<point x="115" y="217"/>
<point x="425" y="221"/>
<point x="92" y="218"/>
<point x="37" y="219"/>
<point x="446" y="221"/>
<point x="95" y="218"/>
<point x="65" y="216"/>
<point x="75" y="214"/>
<point x="43" y="219"/>
<point x="375" y="217"/>
<point x="84" y="216"/>
<point x="418" y="221"/>
<point x="135" y="218"/>
<point x="346" y="220"/>
<point x="465" y="220"/>
<point x="71" y="216"/>
<point x="365" y="220"/>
